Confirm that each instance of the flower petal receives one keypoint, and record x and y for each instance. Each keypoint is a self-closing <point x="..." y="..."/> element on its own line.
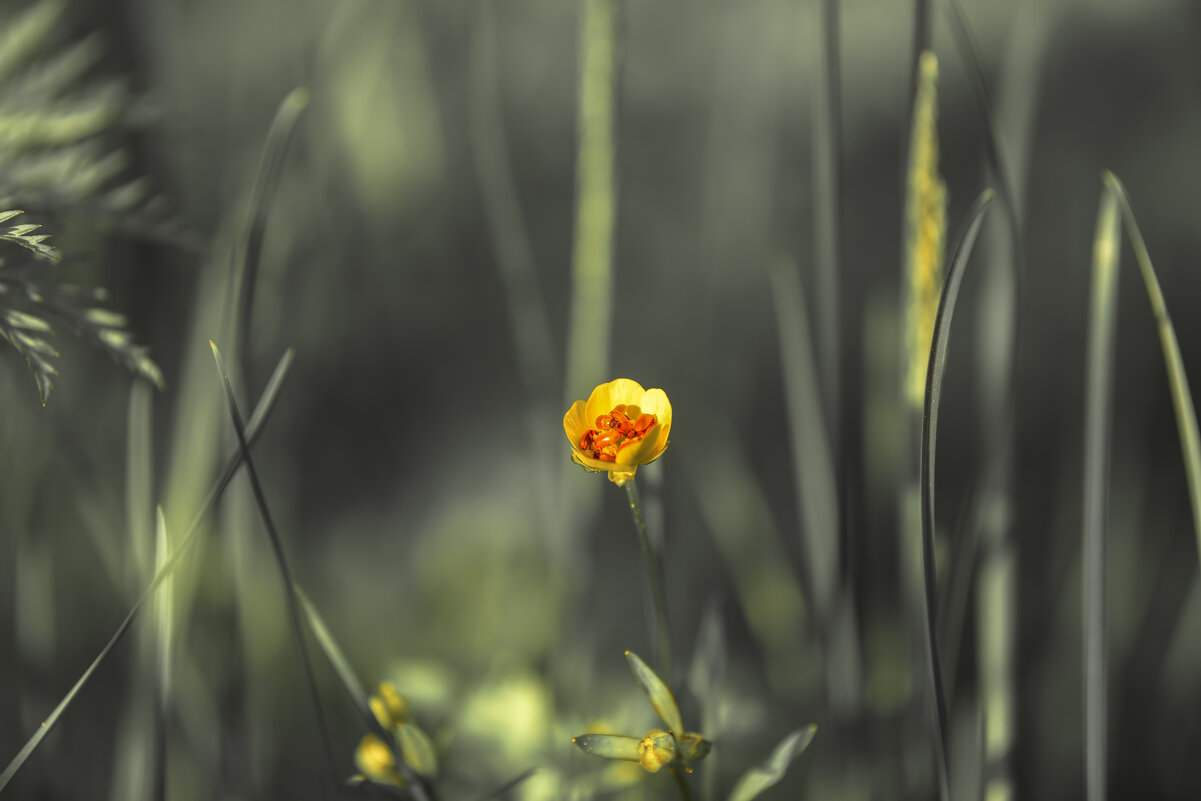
<point x="575" y="423"/>
<point x="606" y="396"/>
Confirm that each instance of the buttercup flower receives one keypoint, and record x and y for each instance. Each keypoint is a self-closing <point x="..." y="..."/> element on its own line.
<point x="619" y="427"/>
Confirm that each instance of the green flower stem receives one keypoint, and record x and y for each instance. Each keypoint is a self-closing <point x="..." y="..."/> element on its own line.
<point x="681" y="783"/>
<point x="655" y="575"/>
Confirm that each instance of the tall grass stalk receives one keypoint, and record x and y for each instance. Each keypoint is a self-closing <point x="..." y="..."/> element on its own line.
<point x="596" y="199"/>
<point x="1098" y="402"/>
<point x="253" y="428"/>
<point x="924" y="234"/>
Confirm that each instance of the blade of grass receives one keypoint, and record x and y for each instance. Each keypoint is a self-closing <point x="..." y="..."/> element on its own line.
<point x="250" y="249"/>
<point x="354" y="688"/>
<point x="350" y="681"/>
<point x="934" y="372"/>
<point x="166" y="603"/>
<point x="816" y="492"/>
<point x="261" y="413"/>
<point x="1098" y="400"/>
<point x="969" y="52"/>
<point x="291" y="591"/>
<point x="281" y="560"/>
<point x="165" y="612"/>
<point x="1182" y="399"/>
<point x="763" y="776"/>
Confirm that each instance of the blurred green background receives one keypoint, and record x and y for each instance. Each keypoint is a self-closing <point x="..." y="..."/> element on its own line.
<point x="422" y="488"/>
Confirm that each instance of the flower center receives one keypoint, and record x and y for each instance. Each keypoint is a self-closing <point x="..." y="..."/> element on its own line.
<point x="623" y="426"/>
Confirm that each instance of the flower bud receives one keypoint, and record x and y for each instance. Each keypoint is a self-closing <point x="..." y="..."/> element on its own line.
<point x="655" y="750"/>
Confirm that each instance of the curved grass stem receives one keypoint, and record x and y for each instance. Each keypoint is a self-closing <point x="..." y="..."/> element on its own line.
<point x="654" y="575"/>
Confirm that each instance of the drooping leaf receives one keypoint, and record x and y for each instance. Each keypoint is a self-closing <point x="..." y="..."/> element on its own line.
<point x="658" y="693"/>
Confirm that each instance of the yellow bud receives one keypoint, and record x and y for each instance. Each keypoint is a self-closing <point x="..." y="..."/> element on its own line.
<point x="655" y="750"/>
<point x="397" y="704"/>
<point x="374" y="758"/>
<point x="380" y="710"/>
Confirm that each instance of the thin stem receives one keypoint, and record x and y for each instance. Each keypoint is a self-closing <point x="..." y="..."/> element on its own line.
<point x="655" y="575"/>
<point x="685" y="793"/>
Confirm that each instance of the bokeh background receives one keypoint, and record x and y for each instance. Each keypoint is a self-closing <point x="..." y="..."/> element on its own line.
<point x="420" y="483"/>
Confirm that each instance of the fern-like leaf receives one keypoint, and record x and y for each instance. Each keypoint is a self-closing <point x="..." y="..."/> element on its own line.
<point x="23" y="235"/>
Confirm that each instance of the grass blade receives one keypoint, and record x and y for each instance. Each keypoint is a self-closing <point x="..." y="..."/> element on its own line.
<point x="281" y="561"/>
<point x="969" y="51"/>
<point x="1098" y="401"/>
<point x="934" y="371"/>
<point x="354" y="688"/>
<point x="291" y="590"/>
<point x="1182" y="399"/>
<point x="250" y="249"/>
<point x="763" y="776"/>
<point x="813" y="465"/>
<point x="257" y="420"/>
<point x="350" y="681"/>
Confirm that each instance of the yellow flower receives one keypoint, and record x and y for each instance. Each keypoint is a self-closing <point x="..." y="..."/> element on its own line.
<point x="389" y="707"/>
<point x="374" y="758"/>
<point x="619" y="427"/>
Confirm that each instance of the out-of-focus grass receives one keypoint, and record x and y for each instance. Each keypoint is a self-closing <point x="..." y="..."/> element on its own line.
<point x="402" y="463"/>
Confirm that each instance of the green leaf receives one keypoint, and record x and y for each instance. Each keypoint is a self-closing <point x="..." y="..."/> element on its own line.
<point x="609" y="746"/>
<point x="23" y="235"/>
<point x="764" y="775"/>
<point x="659" y="694"/>
<point x="416" y="749"/>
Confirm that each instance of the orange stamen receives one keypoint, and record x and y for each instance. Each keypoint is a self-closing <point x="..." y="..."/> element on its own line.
<point x="615" y="431"/>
